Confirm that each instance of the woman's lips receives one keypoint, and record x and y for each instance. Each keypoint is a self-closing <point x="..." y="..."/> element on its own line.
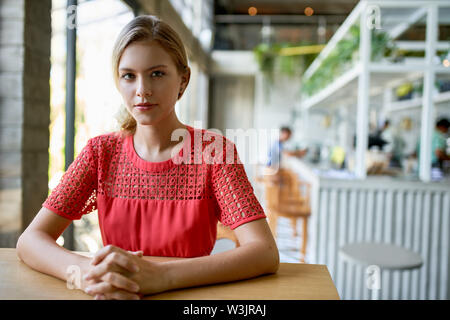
<point x="145" y="107"/>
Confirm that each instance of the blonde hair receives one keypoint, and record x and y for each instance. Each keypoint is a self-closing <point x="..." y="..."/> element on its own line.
<point x="150" y="28"/>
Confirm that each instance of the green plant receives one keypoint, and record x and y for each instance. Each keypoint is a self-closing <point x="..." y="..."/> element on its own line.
<point x="271" y="60"/>
<point x="265" y="56"/>
<point x="344" y="55"/>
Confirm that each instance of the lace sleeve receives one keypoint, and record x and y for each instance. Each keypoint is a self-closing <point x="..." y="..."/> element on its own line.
<point x="75" y="195"/>
<point x="233" y="191"/>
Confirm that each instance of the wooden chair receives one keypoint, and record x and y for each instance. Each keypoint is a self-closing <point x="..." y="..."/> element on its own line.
<point x="224" y="232"/>
<point x="287" y="196"/>
<point x="295" y="193"/>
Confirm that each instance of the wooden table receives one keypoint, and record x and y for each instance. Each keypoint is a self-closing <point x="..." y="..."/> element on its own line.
<point x="292" y="282"/>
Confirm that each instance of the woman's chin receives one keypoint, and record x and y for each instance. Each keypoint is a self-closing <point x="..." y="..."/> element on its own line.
<point x="146" y="120"/>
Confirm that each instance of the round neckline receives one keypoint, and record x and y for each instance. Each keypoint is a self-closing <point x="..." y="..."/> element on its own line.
<point x="155" y="166"/>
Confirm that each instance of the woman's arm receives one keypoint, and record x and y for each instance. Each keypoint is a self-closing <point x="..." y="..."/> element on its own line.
<point x="256" y="255"/>
<point x="38" y="249"/>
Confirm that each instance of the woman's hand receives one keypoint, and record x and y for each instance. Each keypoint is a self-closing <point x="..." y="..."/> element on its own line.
<point x="150" y="277"/>
<point x="108" y="275"/>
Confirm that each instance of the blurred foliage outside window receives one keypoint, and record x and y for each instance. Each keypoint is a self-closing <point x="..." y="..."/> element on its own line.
<point x="97" y="100"/>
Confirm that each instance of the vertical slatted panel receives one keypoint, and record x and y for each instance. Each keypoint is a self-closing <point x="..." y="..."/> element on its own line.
<point x="379" y="217"/>
<point x="359" y="238"/>
<point x="398" y="239"/>
<point x="341" y="277"/>
<point x="418" y="211"/>
<point x="368" y="233"/>
<point x="315" y="229"/>
<point x="326" y="230"/>
<point x="434" y="250"/>
<point x="369" y="223"/>
<point x="424" y="247"/>
<point x="349" y="287"/>
<point x="388" y="238"/>
<point x="322" y="224"/>
<point x="415" y="219"/>
<point x="332" y="233"/>
<point x="408" y="243"/>
<point x="445" y="248"/>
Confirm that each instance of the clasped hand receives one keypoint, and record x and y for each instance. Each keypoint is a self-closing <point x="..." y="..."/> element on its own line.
<point x="119" y="274"/>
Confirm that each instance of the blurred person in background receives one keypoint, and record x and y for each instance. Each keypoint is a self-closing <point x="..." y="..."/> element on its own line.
<point x="394" y="144"/>
<point x="438" y="144"/>
<point x="278" y="149"/>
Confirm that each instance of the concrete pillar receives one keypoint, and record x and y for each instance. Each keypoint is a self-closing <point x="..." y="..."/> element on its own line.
<point x="25" y="36"/>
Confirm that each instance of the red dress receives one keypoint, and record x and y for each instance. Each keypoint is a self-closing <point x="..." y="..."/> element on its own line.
<point x="168" y="208"/>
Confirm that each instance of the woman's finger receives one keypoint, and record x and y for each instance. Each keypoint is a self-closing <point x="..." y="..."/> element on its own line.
<point x="115" y="262"/>
<point x="140" y="254"/>
<point x="99" y="288"/>
<point x="103" y="253"/>
<point x="121" y="282"/>
<point x="122" y="260"/>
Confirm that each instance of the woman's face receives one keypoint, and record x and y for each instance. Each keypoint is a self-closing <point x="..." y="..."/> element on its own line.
<point x="148" y="75"/>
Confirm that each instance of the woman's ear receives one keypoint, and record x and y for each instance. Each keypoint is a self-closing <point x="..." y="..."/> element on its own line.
<point x="184" y="81"/>
<point x="186" y="77"/>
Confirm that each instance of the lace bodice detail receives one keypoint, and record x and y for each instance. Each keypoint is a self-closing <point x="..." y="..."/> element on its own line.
<point x="109" y="166"/>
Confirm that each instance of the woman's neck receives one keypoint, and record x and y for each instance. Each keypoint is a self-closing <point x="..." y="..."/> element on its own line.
<point x="154" y="140"/>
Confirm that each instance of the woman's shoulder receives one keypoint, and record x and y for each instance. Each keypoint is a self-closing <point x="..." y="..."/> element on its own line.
<point x="108" y="140"/>
<point x="109" y="137"/>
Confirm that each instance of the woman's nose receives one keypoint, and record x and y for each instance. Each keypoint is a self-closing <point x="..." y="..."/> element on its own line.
<point x="143" y="89"/>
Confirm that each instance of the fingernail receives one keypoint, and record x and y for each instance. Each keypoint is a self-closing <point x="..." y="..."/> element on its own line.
<point x="135" y="288"/>
<point x="88" y="290"/>
<point x="135" y="268"/>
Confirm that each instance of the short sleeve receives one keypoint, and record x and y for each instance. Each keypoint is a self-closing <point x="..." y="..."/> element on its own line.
<point x="75" y="195"/>
<point x="233" y="191"/>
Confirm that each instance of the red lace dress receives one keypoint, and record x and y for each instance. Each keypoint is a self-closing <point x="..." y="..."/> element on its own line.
<point x="168" y="208"/>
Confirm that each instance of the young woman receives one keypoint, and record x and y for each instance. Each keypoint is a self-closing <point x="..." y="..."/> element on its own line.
<point x="158" y="202"/>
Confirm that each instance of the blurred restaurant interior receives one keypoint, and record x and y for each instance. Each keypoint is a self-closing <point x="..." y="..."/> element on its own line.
<point x="363" y="88"/>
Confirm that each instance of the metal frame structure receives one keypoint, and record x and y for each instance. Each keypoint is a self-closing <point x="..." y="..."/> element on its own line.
<point x="364" y="70"/>
<point x="71" y="49"/>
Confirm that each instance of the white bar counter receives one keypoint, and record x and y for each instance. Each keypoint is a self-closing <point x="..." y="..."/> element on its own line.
<point x="401" y="211"/>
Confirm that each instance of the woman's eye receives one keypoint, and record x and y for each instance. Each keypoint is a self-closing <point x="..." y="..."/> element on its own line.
<point x="127" y="76"/>
<point x="157" y="74"/>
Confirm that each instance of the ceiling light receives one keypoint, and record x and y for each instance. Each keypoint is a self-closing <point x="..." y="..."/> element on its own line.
<point x="309" y="11"/>
<point x="252" y="11"/>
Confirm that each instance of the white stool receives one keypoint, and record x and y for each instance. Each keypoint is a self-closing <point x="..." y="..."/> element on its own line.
<point x="378" y="256"/>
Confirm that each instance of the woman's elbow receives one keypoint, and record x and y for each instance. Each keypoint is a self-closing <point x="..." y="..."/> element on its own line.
<point x="273" y="259"/>
<point x="19" y="245"/>
<point x="22" y="244"/>
<point x="275" y="262"/>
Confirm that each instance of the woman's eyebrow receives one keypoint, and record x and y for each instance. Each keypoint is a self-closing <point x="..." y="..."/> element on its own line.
<point x="154" y="67"/>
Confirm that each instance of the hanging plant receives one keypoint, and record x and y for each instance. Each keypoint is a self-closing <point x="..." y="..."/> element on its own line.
<point x="343" y="57"/>
<point x="270" y="60"/>
<point x="265" y="56"/>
